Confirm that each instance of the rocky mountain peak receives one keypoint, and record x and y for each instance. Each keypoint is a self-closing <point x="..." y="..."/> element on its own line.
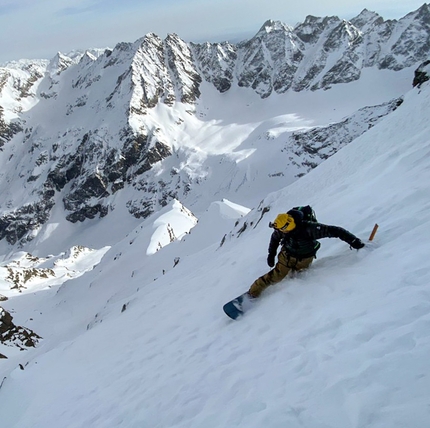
<point x="313" y="27"/>
<point x="87" y="58"/>
<point x="365" y="19"/>
<point x="271" y="26"/>
<point x="423" y="13"/>
<point x="59" y="63"/>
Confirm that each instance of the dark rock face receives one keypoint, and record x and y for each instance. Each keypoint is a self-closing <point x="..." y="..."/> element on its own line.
<point x="88" y="212"/>
<point x="90" y="174"/>
<point x="17" y="225"/>
<point x="7" y="130"/>
<point x="422" y="74"/>
<point x="12" y="335"/>
<point x="216" y="62"/>
<point x="118" y="167"/>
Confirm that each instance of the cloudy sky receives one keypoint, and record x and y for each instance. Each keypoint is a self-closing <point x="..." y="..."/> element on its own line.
<point x="41" y="28"/>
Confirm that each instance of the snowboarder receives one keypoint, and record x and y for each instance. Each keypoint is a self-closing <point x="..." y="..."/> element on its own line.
<point x="299" y="246"/>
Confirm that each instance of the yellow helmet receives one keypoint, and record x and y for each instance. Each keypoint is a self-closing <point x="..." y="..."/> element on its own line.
<point x="284" y="223"/>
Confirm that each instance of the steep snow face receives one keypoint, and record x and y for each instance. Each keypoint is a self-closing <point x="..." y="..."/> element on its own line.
<point x="142" y="340"/>
<point x="170" y="225"/>
<point x="18" y="93"/>
<point x="135" y="127"/>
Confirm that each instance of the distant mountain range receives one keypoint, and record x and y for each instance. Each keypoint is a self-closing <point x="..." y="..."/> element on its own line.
<point x="81" y="129"/>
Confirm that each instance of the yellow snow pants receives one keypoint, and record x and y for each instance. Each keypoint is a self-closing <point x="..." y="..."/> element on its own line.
<point x="285" y="265"/>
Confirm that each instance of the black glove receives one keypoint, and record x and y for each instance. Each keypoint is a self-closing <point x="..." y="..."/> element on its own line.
<point x="356" y="244"/>
<point x="271" y="260"/>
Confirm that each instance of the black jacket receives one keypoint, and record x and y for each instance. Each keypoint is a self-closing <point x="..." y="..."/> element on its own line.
<point x="302" y="241"/>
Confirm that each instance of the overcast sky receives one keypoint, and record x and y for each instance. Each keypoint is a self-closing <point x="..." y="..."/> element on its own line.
<point x="41" y="28"/>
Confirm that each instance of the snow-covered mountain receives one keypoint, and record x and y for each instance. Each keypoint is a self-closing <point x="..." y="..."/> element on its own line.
<point x="135" y="127"/>
<point x="137" y="184"/>
<point x="141" y="340"/>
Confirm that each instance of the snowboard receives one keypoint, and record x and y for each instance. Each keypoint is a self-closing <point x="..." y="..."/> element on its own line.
<point x="237" y="307"/>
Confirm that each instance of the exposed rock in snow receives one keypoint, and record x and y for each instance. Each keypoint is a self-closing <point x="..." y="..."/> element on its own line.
<point x="16" y="336"/>
<point x="422" y="74"/>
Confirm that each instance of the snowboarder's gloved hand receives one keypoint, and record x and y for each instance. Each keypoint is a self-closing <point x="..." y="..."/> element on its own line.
<point x="271" y="260"/>
<point x="356" y="244"/>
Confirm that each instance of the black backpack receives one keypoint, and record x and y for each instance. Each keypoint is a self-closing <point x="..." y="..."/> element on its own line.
<point x="308" y="213"/>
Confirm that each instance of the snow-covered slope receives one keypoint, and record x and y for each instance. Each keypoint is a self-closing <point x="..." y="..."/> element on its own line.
<point x="142" y="340"/>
